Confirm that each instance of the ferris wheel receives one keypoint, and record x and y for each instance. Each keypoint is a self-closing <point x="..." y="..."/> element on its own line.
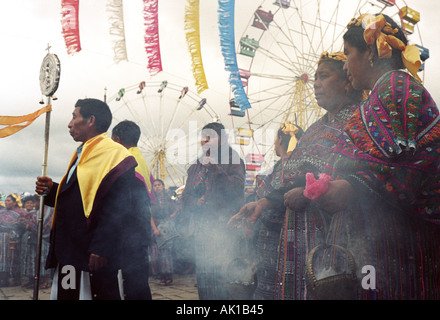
<point x="277" y="56"/>
<point x="170" y="117"/>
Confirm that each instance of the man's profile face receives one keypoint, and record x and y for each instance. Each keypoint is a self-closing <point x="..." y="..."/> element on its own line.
<point x="78" y="126"/>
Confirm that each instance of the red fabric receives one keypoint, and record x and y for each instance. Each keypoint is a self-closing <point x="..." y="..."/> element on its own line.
<point x="151" y="22"/>
<point x="70" y="25"/>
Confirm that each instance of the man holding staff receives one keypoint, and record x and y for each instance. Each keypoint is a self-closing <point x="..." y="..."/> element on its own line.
<point x="95" y="233"/>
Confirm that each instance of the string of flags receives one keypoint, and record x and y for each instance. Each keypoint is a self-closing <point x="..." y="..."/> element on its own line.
<point x="70" y="25"/>
<point x="71" y="33"/>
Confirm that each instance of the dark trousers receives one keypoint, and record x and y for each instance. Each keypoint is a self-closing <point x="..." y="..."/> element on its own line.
<point x="136" y="285"/>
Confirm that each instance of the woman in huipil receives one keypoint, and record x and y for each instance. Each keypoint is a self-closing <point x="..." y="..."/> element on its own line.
<point x="385" y="193"/>
<point x="11" y="229"/>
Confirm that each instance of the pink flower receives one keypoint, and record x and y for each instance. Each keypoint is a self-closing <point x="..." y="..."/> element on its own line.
<point x="315" y="188"/>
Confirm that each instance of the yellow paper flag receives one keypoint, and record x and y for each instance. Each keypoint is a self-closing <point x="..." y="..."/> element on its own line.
<point x="192" y="29"/>
<point x="14" y="124"/>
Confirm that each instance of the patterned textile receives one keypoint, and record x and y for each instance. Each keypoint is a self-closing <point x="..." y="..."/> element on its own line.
<point x="266" y="253"/>
<point x="390" y="153"/>
<point x="29" y="243"/>
<point x="201" y="181"/>
<point x="392" y="146"/>
<point x="301" y="231"/>
<point x="402" y="249"/>
<point x="163" y="208"/>
<point x="161" y="251"/>
<point x="161" y="261"/>
<point x="268" y="235"/>
<point x="215" y="248"/>
<point x="314" y="149"/>
<point x="11" y="228"/>
<point x="266" y="183"/>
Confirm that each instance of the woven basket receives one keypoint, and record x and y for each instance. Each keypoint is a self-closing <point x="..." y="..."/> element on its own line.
<point x="337" y="287"/>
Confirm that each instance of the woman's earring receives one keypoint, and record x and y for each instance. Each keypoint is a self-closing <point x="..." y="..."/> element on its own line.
<point x="371" y="62"/>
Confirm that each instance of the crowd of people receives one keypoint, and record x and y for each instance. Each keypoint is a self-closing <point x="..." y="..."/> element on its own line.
<point x="18" y="240"/>
<point x="358" y="190"/>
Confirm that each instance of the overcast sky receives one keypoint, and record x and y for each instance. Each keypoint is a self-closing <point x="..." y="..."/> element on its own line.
<point x="27" y="26"/>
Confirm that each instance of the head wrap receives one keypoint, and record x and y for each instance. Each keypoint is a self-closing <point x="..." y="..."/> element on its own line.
<point x="378" y="30"/>
<point x="290" y="129"/>
<point x="338" y="56"/>
<point x="17" y="199"/>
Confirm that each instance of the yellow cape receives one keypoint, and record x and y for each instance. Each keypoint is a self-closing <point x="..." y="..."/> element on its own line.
<point x="99" y="156"/>
<point x="142" y="167"/>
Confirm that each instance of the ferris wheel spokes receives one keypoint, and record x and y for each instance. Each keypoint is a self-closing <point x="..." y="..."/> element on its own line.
<point x="168" y="116"/>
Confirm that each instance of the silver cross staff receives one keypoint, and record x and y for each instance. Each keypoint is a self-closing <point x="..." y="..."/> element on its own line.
<point x="49" y="80"/>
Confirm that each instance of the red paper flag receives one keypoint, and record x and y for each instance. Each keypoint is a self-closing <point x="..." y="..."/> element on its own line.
<point x="70" y="25"/>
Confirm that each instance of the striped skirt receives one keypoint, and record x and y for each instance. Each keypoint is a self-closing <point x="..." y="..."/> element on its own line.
<point x="397" y="256"/>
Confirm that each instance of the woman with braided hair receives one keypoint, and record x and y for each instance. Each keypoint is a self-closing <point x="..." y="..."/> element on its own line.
<point x="266" y="236"/>
<point x="385" y="194"/>
<point x="301" y="226"/>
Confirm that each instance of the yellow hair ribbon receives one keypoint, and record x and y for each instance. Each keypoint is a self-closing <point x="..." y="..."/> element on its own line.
<point x="375" y="26"/>
<point x="338" y="56"/>
<point x="290" y="129"/>
<point x="15" y="196"/>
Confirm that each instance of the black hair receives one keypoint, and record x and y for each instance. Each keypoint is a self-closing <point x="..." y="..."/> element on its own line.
<point x="159" y="180"/>
<point x="232" y="157"/>
<point x="355" y="37"/>
<point x="28" y="198"/>
<point x="97" y="108"/>
<point x="218" y="129"/>
<point x="128" y="131"/>
<point x="216" y="126"/>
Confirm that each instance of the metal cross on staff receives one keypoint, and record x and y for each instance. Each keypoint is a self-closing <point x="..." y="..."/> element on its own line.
<point x="49" y="80"/>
